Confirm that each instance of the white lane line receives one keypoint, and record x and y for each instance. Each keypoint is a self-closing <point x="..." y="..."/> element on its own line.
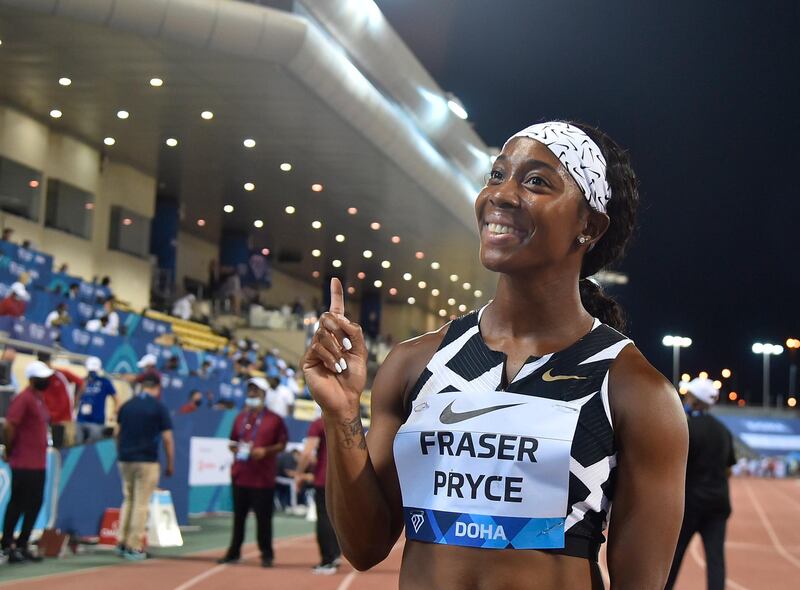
<point x="695" y="552"/>
<point x="218" y="568"/>
<point x="791" y="500"/>
<point x="776" y="542"/>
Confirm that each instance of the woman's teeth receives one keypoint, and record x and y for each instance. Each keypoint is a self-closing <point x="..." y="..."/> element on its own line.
<point x="496" y="228"/>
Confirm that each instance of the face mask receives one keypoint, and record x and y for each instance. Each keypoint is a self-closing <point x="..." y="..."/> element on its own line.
<point x="253" y="402"/>
<point x="198" y="402"/>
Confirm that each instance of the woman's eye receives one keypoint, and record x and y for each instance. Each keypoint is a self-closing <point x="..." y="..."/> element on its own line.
<point x="494" y="176"/>
<point x="536" y="181"/>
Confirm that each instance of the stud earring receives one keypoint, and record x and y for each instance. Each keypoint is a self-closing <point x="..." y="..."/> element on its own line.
<point x="582" y="239"/>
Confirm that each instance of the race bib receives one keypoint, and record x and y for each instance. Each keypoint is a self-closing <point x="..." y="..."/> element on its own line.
<point x="486" y="469"/>
<point x="243" y="451"/>
<point x="86" y="409"/>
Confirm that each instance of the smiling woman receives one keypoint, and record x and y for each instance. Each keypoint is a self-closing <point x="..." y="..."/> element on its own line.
<point x="502" y="440"/>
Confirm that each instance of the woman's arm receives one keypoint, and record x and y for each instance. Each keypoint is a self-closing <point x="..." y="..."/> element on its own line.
<point x="652" y="440"/>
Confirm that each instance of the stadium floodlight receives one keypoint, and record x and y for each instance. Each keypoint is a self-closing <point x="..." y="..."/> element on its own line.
<point x="766" y="350"/>
<point x="676" y="343"/>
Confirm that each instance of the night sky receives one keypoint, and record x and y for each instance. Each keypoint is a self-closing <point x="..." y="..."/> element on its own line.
<point x="705" y="95"/>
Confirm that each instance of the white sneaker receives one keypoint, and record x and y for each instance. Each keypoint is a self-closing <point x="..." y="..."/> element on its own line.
<point x="325" y="569"/>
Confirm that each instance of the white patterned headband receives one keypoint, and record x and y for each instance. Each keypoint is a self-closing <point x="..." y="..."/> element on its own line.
<point x="580" y="156"/>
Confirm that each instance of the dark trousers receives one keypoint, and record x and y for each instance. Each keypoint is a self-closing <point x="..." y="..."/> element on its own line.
<point x="712" y="530"/>
<point x="260" y="501"/>
<point x="27" y="493"/>
<point x="326" y="537"/>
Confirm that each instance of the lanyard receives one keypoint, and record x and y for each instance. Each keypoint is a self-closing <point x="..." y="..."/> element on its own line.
<point x="255" y="427"/>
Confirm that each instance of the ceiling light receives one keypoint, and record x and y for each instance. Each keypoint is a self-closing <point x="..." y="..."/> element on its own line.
<point x="286" y="167"/>
<point x="64" y="81"/>
<point x="171" y="142"/>
<point x="442" y="312"/>
<point x="395" y="239"/>
<point x="457" y="108"/>
<point x="289" y="209"/>
<point x="336" y="263"/>
<point x="392" y="291"/>
<point x="451" y="301"/>
<point x="316" y="253"/>
<point x="477" y="293"/>
<point x="351" y="290"/>
<point x="316" y="224"/>
<point x="228" y="208"/>
<point x="201" y="222"/>
<point x="407" y="276"/>
<point x="361" y="275"/>
<point x="339" y="238"/>
<point x="258" y="223"/>
<point x="352" y="210"/>
<point x="317" y="188"/>
<point x="127" y="221"/>
<point x="462" y="308"/>
<point x="56" y="114"/>
<point x="454" y="278"/>
<point x="251" y="143"/>
<point x="265" y="251"/>
<point x="88" y="206"/>
<point x="435" y="265"/>
<point x="375" y="225"/>
<point x="435" y="292"/>
<point x="367" y="253"/>
<point x="467" y="286"/>
<point x="386" y="264"/>
<point x="207" y="115"/>
<point x="378" y="283"/>
<point x="419" y="255"/>
<point x="156" y="82"/>
<point x="249" y="186"/>
<point x="109" y="141"/>
<point x="422" y="284"/>
<point x="411" y="301"/>
<point x="33" y="183"/>
<point x="123" y="114"/>
<point x="315" y="274"/>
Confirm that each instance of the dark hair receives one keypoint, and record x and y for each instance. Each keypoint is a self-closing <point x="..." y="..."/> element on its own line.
<point x="621" y="210"/>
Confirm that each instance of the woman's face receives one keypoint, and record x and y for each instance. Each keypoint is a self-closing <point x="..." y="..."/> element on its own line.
<point x="531" y="211"/>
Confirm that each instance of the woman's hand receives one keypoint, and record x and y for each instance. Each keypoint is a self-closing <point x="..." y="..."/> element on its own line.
<point x="335" y="364"/>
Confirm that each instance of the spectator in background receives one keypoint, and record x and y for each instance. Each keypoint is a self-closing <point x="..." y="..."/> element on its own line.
<point x="280" y="398"/>
<point x="74" y="291"/>
<point x="91" y="403"/>
<point x="147" y="367"/>
<point x="315" y="452"/>
<point x="58" y="397"/>
<point x="8" y="233"/>
<point x="182" y="308"/>
<point x="195" y="402"/>
<point x="172" y="365"/>
<point x="26" y="245"/>
<point x="143" y="420"/>
<point x="242" y="370"/>
<point x="58" y="317"/>
<point x="64" y="268"/>
<point x="15" y="301"/>
<point x="257" y="437"/>
<point x="112" y="326"/>
<point x="708" y="504"/>
<point x="7" y="377"/>
<point x="204" y="371"/>
<point x="26" y="450"/>
<point x="97" y="325"/>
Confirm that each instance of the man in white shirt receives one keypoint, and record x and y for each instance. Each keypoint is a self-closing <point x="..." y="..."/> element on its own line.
<point x="182" y="308"/>
<point x="58" y="317"/>
<point x="280" y="398"/>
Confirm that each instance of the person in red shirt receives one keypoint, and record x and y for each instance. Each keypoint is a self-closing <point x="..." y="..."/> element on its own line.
<point x="257" y="437"/>
<point x="58" y="400"/>
<point x="26" y="450"/>
<point x="195" y="402"/>
<point x="315" y="452"/>
<point x="15" y="302"/>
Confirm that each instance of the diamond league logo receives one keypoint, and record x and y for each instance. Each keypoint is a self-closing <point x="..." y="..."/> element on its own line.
<point x="417" y="519"/>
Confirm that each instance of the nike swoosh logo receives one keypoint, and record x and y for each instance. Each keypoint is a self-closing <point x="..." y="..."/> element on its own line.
<point x="448" y="416"/>
<point x="548" y="376"/>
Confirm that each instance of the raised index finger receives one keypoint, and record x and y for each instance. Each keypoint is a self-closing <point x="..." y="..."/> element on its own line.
<point x="337" y="297"/>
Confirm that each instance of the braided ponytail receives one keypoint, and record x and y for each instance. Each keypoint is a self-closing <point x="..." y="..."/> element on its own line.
<point x="621" y="210"/>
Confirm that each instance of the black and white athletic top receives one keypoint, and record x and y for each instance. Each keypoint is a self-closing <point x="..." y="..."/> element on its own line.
<point x="522" y="465"/>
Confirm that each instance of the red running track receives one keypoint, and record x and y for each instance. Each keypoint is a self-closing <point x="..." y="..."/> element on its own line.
<point x="763" y="552"/>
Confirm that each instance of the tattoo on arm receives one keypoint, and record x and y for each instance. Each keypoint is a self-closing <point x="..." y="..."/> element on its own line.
<point x="353" y="432"/>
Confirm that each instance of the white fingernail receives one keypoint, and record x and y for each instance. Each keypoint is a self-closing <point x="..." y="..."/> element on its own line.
<point x="338" y="367"/>
<point x="343" y="364"/>
<point x="347" y="344"/>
